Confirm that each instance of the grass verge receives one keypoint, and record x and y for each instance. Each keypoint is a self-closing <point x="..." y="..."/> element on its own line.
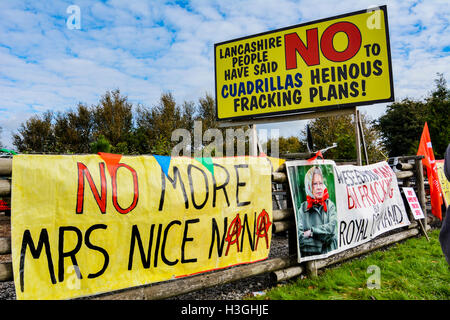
<point x="413" y="269"/>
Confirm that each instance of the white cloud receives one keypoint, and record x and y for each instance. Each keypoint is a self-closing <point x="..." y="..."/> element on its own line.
<point x="147" y="47"/>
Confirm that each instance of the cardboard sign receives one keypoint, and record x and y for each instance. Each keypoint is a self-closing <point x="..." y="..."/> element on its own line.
<point x="331" y="63"/>
<point x="340" y="207"/>
<point x="413" y="202"/>
<point x="83" y="225"/>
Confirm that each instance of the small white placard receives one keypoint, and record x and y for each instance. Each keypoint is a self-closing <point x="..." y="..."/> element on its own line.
<point x="413" y="203"/>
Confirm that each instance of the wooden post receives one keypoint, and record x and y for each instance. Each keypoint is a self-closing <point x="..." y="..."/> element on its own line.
<point x="358" y="142"/>
<point x="311" y="268"/>
<point x="6" y="272"/>
<point x="286" y="274"/>
<point x="5" y="245"/>
<point x="5" y="187"/>
<point x="185" y="285"/>
<point x="5" y="166"/>
<point x="284" y="225"/>
<point x="254" y="141"/>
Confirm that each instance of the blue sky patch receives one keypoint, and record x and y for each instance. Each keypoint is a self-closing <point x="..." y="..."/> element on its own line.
<point x="146" y="48"/>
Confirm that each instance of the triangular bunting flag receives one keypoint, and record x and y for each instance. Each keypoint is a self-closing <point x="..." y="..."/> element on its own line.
<point x="207" y="162"/>
<point x="164" y="163"/>
<point x="111" y="160"/>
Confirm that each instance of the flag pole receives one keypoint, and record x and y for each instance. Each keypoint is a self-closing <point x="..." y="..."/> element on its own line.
<point x="357" y="137"/>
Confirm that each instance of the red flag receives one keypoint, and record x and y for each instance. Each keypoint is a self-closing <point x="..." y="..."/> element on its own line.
<point x="426" y="149"/>
<point x="318" y="154"/>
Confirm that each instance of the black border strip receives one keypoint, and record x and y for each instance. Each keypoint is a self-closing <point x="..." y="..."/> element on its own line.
<point x="308" y="110"/>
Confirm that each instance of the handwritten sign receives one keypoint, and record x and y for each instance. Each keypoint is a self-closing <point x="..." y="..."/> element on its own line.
<point x="83" y="225"/>
<point x="413" y="202"/>
<point x="352" y="205"/>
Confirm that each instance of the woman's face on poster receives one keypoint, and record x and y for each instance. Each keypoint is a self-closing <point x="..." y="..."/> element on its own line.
<point x="317" y="186"/>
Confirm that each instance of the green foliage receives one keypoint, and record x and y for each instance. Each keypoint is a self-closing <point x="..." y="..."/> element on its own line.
<point x="402" y="125"/>
<point x="207" y="115"/>
<point x="144" y="130"/>
<point x="286" y="145"/>
<point x="121" y="148"/>
<point x="162" y="146"/>
<point x="113" y="118"/>
<point x="341" y="129"/>
<point x="73" y="130"/>
<point x="101" y="145"/>
<point x="155" y="125"/>
<point x="114" y="125"/>
<point x="36" y="134"/>
<point x="413" y="269"/>
<point x="438" y="116"/>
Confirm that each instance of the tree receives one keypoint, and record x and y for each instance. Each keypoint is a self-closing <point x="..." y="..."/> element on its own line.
<point x="341" y="129"/>
<point x="101" y="145"/>
<point x="438" y="113"/>
<point x="207" y="115"/>
<point x="188" y="114"/>
<point x="36" y="135"/>
<point x="236" y="140"/>
<point x="402" y="124"/>
<point x="155" y="126"/>
<point x="166" y="117"/>
<point x="291" y="144"/>
<point x="327" y="130"/>
<point x="401" y="127"/>
<point x="113" y="118"/>
<point x="207" y="112"/>
<point x="73" y="130"/>
<point x="372" y="138"/>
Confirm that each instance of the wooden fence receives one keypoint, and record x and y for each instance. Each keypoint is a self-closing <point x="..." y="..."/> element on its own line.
<point x="280" y="268"/>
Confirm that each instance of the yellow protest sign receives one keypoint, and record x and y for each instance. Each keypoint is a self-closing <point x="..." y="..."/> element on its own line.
<point x="84" y="225"/>
<point x="445" y="184"/>
<point x="338" y="62"/>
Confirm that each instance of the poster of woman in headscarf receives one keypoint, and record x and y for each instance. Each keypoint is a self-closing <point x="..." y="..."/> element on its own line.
<point x="339" y="207"/>
<point x="314" y="201"/>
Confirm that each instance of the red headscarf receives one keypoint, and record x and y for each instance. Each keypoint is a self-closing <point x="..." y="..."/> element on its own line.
<point x="321" y="202"/>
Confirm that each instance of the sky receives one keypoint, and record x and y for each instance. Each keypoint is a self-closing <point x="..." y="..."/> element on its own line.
<point x="145" y="48"/>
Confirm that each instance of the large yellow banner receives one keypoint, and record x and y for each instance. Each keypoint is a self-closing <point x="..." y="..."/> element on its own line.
<point x="84" y="225"/>
<point x="338" y="62"/>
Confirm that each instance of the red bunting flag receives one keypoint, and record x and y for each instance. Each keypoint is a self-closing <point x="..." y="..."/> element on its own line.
<point x="111" y="160"/>
<point x="426" y="149"/>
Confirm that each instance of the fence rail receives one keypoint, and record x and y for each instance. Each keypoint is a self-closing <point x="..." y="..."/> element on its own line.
<point x="280" y="268"/>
